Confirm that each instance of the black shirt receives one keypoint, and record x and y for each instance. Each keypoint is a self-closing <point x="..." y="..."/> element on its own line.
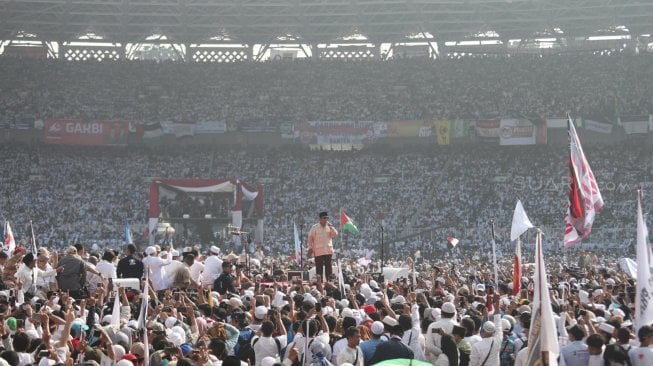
<point x="130" y="267"/>
<point x="225" y="283"/>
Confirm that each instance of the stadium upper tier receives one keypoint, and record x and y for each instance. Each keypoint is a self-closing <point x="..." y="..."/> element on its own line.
<point x="274" y="92"/>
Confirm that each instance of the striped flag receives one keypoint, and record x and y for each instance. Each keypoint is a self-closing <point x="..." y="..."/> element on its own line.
<point x="9" y="244"/>
<point x="643" y="306"/>
<point x="585" y="200"/>
<point x="298" y="245"/>
<point x="346" y="223"/>
<point x="516" y="271"/>
<point x="543" y="347"/>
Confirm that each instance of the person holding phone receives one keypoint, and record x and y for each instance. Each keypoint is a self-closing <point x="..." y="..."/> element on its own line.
<point x="320" y="245"/>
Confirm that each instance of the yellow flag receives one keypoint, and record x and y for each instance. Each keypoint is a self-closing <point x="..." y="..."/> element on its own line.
<point x="443" y="131"/>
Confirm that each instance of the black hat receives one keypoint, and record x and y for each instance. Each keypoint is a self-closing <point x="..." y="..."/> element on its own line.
<point x="29" y="258"/>
<point x="324" y="214"/>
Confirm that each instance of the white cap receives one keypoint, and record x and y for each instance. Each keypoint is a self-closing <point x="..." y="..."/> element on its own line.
<point x="489" y="327"/>
<point x="260" y="312"/>
<point x="606" y="328"/>
<point x="390" y="321"/>
<point x="398" y="300"/>
<point x="174" y="253"/>
<point x="170" y="321"/>
<point x="377" y="328"/>
<point x="150" y="250"/>
<point x="448" y="307"/>
<point x="347" y="313"/>
<point x="214" y="249"/>
<point x="106" y="319"/>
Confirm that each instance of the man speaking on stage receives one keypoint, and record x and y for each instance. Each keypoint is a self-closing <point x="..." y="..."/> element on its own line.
<point x="320" y="245"/>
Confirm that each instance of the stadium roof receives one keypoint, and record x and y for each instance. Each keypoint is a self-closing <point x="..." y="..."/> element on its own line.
<point x="315" y="21"/>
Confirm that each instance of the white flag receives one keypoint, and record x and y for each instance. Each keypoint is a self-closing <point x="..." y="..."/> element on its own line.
<point x="9" y="243"/>
<point x="520" y="222"/>
<point x="543" y="337"/>
<point x="643" y="297"/>
<point x="115" y="314"/>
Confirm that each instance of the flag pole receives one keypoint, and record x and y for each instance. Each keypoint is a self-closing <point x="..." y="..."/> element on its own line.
<point x="494" y="256"/>
<point x="33" y="237"/>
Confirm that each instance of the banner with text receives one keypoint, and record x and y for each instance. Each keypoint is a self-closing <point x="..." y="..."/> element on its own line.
<point x="210" y="127"/>
<point x="77" y="132"/>
<point x="488" y="128"/>
<point x="335" y="132"/>
<point x="520" y="131"/>
<point x="410" y="128"/>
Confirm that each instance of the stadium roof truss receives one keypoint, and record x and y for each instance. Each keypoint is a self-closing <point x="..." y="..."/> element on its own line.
<point x="315" y="21"/>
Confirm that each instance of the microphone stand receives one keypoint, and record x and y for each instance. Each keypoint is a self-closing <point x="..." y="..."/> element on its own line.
<point x="382" y="249"/>
<point x="235" y="231"/>
<point x="301" y="251"/>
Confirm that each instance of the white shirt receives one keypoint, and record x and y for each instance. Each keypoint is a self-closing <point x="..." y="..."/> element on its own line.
<point x="338" y="347"/>
<point x="267" y="347"/>
<point x="170" y="272"/>
<point x="641" y="356"/>
<point x="107" y="269"/>
<point x="488" y="346"/>
<point x="196" y="270"/>
<point x="155" y="265"/>
<point x="212" y="269"/>
<point x="596" y="360"/>
<point x="350" y="355"/>
<point x="522" y="357"/>
<point x="28" y="277"/>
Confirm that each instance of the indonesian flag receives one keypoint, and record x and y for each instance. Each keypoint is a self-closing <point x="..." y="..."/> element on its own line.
<point x="346" y="223"/>
<point x="453" y="241"/>
<point x="298" y="246"/>
<point x="10" y="243"/>
<point x="584" y="197"/>
<point x="516" y="272"/>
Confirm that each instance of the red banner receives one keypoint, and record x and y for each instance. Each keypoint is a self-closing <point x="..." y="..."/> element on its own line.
<point x="77" y="132"/>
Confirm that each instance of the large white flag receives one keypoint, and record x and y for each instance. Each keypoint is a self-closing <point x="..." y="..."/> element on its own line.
<point x="9" y="244"/>
<point x="543" y="337"/>
<point x="644" y="295"/>
<point x="520" y="222"/>
<point x="585" y="199"/>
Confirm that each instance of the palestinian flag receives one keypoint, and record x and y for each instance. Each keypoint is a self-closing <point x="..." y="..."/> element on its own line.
<point x="346" y="223"/>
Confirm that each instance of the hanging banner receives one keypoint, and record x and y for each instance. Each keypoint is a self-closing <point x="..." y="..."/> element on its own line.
<point x="77" y="132"/>
<point x="335" y="132"/>
<point x="596" y="126"/>
<point x="488" y="128"/>
<point x="443" y="132"/>
<point x="409" y="128"/>
<point x="635" y="124"/>
<point x="517" y="131"/>
<point x="210" y="127"/>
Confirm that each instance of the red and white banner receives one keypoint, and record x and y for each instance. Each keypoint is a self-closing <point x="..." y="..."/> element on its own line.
<point x="516" y="131"/>
<point x="77" y="132"/>
<point x="488" y="128"/>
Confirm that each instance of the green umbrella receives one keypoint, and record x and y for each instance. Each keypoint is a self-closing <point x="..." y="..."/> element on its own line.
<point x="403" y="362"/>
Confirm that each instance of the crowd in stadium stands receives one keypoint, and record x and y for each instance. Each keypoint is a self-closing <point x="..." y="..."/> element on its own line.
<point x="274" y="92"/>
<point x="84" y="195"/>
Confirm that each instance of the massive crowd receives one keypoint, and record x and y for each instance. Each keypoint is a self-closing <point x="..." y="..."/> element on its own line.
<point x="69" y="304"/>
<point x="430" y="194"/>
<point x="274" y="92"/>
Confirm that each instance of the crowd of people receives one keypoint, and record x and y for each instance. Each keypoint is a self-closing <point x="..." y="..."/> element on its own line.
<point x="429" y="194"/>
<point x="87" y="297"/>
<point x="273" y="92"/>
<point x="166" y="306"/>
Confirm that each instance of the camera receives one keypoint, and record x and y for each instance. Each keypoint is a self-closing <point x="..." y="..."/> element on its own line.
<point x="44" y="353"/>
